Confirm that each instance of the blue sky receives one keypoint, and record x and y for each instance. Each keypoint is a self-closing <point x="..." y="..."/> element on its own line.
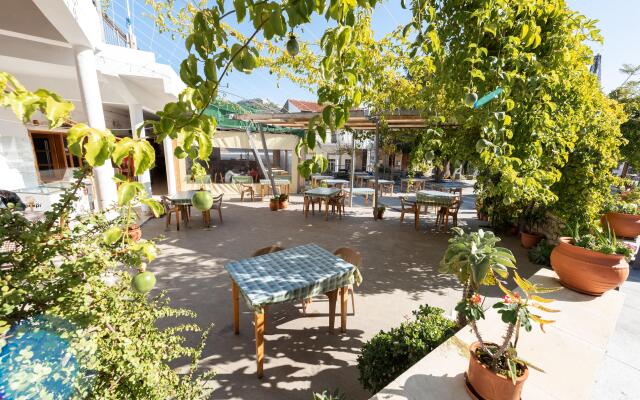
<point x="619" y="23"/>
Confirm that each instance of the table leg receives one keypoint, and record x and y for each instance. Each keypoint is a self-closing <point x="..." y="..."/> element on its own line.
<point x="333" y="296"/>
<point x="235" y="296"/>
<point x="259" y="321"/>
<point x="326" y="209"/>
<point x="343" y="309"/>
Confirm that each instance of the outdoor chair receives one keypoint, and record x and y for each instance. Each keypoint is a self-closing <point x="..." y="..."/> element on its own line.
<point x="169" y="209"/>
<point x="352" y="257"/>
<point x="246" y="189"/>
<point x="312" y="201"/>
<point x="445" y="212"/>
<point x="217" y="205"/>
<point x="337" y="202"/>
<point x="406" y="206"/>
<point x="267" y="250"/>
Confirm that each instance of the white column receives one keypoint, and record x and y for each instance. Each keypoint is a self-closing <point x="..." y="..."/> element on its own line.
<point x="167" y="145"/>
<point x="137" y="120"/>
<point x="105" y="187"/>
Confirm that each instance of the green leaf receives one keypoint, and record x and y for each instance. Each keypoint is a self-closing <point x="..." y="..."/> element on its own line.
<point x="111" y="235"/>
<point x="156" y="207"/>
<point x="128" y="191"/>
<point x="241" y="10"/>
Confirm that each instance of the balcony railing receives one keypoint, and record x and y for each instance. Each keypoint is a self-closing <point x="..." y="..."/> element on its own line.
<point x="113" y="34"/>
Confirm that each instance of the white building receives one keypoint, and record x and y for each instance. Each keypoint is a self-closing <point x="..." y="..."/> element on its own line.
<point x="60" y="45"/>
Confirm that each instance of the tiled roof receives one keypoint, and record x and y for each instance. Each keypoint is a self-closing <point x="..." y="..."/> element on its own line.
<point x="305" y="106"/>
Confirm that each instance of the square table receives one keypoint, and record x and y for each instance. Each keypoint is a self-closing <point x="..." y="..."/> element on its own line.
<point x="335" y="182"/>
<point x="417" y="183"/>
<point x="265" y="185"/>
<point x="246" y="179"/>
<point x="289" y="275"/>
<point x="322" y="193"/>
<point x="366" y="192"/>
<point x="316" y="178"/>
<point x="382" y="184"/>
<point x="432" y="198"/>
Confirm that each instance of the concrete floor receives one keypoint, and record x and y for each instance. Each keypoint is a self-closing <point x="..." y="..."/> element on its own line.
<point x="400" y="273"/>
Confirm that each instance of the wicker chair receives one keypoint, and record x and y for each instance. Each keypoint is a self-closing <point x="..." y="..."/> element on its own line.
<point x="170" y="208"/>
<point x="352" y="257"/>
<point x="246" y="189"/>
<point x="267" y="250"/>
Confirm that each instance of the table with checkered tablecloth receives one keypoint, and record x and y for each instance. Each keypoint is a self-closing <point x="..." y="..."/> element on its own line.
<point x="281" y="184"/>
<point x="432" y="198"/>
<point x="289" y="275"/>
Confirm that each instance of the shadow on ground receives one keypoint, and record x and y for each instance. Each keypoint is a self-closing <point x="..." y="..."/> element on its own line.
<point x="399" y="270"/>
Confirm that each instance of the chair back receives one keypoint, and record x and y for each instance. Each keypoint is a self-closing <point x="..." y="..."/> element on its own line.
<point x="349" y="255"/>
<point x="457" y="191"/>
<point x="455" y="206"/>
<point x="404" y="203"/>
<point x="166" y="203"/>
<point x="267" y="250"/>
<point x="217" y="200"/>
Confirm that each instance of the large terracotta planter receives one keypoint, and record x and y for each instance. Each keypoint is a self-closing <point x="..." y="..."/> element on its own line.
<point x="529" y="240"/>
<point x="587" y="271"/>
<point x="274" y="205"/>
<point x="484" y="384"/>
<point x="283" y="204"/>
<point x="626" y="225"/>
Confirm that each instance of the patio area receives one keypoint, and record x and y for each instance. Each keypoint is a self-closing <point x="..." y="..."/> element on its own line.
<point x="399" y="271"/>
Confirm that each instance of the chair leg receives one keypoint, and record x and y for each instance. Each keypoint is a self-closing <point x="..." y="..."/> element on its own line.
<point x="178" y="216"/>
<point x="402" y="216"/>
<point x="220" y="214"/>
<point x="168" y="219"/>
<point x="241" y="197"/>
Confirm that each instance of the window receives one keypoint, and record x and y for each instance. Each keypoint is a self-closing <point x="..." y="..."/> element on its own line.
<point x="332" y="165"/>
<point x="347" y="164"/>
<point x="52" y="155"/>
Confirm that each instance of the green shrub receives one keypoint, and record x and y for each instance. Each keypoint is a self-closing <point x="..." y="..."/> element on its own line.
<point x="389" y="354"/>
<point x="541" y="253"/>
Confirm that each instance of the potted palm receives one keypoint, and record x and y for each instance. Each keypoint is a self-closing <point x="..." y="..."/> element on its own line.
<point x="591" y="263"/>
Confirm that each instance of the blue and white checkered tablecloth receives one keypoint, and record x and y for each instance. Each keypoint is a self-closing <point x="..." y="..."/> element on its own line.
<point x="289" y="275"/>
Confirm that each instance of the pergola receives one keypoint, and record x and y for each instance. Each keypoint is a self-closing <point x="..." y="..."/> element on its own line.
<point x="359" y="120"/>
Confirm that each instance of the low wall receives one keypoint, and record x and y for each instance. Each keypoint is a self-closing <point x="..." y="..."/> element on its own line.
<point x="570" y="351"/>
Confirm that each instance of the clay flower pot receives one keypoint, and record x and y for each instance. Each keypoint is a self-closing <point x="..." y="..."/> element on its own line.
<point x="482" y="383"/>
<point x="283" y="204"/>
<point x="626" y="225"/>
<point x="587" y="271"/>
<point x="529" y="240"/>
<point x="378" y="213"/>
<point x="134" y="232"/>
<point x="274" y="204"/>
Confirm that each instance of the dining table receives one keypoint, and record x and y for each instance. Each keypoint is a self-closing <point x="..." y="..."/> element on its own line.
<point x="317" y="178"/>
<point x="366" y="192"/>
<point x="324" y="194"/>
<point x="417" y="183"/>
<point x="428" y="198"/>
<point x="182" y="199"/>
<point x="282" y="184"/>
<point x="290" y="275"/>
<point x="335" y="182"/>
<point x="246" y="179"/>
<point x="383" y="184"/>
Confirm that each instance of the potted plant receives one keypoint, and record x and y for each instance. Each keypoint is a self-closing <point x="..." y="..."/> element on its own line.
<point x="495" y="370"/>
<point x="622" y="215"/>
<point x="475" y="260"/>
<point x="283" y="201"/>
<point x="378" y="211"/>
<point x="530" y="220"/>
<point x="274" y="203"/>
<point x="591" y="263"/>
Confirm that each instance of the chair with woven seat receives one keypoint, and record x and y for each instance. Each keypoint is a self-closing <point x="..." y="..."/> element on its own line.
<point x="170" y="208"/>
<point x="246" y="189"/>
<point x="267" y="250"/>
<point x="406" y="206"/>
<point x="352" y="257"/>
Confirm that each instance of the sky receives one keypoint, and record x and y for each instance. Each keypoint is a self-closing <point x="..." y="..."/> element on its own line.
<point x="619" y="22"/>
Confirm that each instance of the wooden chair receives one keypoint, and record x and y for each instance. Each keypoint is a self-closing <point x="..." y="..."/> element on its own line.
<point x="170" y="208"/>
<point x="406" y="206"/>
<point x="337" y="202"/>
<point x="352" y="257"/>
<point x="312" y="201"/>
<point x="445" y="212"/>
<point x="267" y="250"/>
<point x="217" y="205"/>
<point x="246" y="189"/>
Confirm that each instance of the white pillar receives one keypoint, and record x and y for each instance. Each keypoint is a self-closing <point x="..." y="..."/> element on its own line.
<point x="167" y="145"/>
<point x="137" y="120"/>
<point x="105" y="187"/>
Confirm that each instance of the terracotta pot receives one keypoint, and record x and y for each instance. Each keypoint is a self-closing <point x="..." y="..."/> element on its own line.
<point x="283" y="204"/>
<point x="529" y="240"/>
<point x="378" y="213"/>
<point x="135" y="232"/>
<point x="587" y="271"/>
<point x="482" y="383"/>
<point x="626" y="225"/>
<point x="274" y="205"/>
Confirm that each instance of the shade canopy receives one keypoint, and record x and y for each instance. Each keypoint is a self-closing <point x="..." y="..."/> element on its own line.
<point x="358" y="120"/>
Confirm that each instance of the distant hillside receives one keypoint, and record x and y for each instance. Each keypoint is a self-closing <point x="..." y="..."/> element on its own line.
<point x="260" y="105"/>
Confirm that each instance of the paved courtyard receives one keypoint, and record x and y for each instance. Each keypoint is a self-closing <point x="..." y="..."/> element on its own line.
<point x="399" y="270"/>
